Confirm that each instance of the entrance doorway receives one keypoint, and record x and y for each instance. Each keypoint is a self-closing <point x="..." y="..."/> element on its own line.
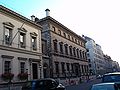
<point x="35" y="70"/>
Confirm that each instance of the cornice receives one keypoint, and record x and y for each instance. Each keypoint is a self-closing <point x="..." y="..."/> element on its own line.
<point x="55" y="21"/>
<point x="6" y="10"/>
<point x="6" y="48"/>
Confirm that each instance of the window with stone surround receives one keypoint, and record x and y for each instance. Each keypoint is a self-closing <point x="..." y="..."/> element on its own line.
<point x="7" y="67"/>
<point x="33" y="41"/>
<point x="70" y="50"/>
<point x="61" y="47"/>
<point x="8" y="28"/>
<point x="66" y="49"/>
<point x="77" y="53"/>
<point x="68" y="67"/>
<point x="57" y="67"/>
<point x="74" y="51"/>
<point x="22" y="67"/>
<point x="55" y="45"/>
<point x="63" y="67"/>
<point x="22" y="37"/>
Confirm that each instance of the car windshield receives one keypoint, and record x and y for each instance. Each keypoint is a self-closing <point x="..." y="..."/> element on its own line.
<point x="111" y="78"/>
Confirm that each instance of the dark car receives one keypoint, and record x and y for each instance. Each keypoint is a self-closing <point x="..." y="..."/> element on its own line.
<point x="106" y="86"/>
<point x="111" y="77"/>
<point x="43" y="84"/>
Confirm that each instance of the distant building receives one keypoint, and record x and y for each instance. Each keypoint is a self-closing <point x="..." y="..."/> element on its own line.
<point x="20" y="46"/>
<point x="116" y="67"/>
<point x="94" y="56"/>
<point x="66" y="52"/>
<point x="108" y="64"/>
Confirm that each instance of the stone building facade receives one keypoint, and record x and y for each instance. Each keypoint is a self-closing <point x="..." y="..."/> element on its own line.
<point x="20" y="46"/>
<point x="66" y="52"/>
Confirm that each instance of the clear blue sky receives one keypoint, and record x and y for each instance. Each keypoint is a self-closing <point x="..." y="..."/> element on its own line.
<point x="98" y="19"/>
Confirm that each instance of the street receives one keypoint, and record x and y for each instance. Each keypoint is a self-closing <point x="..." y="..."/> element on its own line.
<point x="83" y="86"/>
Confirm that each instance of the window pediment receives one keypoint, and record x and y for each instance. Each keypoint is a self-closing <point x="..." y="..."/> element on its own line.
<point x="55" y="40"/>
<point x="61" y="42"/>
<point x="8" y="24"/>
<point x="6" y="56"/>
<point x="33" y="34"/>
<point x="22" y="29"/>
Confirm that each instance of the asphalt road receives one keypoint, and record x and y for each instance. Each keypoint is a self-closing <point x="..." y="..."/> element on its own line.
<point x="84" y="86"/>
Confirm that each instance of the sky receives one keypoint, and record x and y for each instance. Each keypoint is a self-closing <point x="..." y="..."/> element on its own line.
<point x="97" y="19"/>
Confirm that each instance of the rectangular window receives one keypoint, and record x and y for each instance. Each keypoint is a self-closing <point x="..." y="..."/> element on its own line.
<point x="63" y="67"/>
<point x="68" y="69"/>
<point x="22" y="40"/>
<point x="72" y="69"/>
<point x="70" y="49"/>
<point x="34" y="43"/>
<point x="66" y="49"/>
<point x="8" y="35"/>
<point x="22" y="67"/>
<point x="7" y="67"/>
<point x="78" y="53"/>
<point x="57" y="67"/>
<point x="74" y="51"/>
<point x="55" y="46"/>
<point x="44" y="47"/>
<point x="61" y="47"/>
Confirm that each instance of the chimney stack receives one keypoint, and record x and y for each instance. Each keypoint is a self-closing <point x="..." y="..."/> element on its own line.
<point x="47" y="12"/>
<point x="33" y="18"/>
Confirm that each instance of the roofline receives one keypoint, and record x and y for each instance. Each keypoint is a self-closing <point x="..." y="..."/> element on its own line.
<point x="52" y="19"/>
<point x="18" y="15"/>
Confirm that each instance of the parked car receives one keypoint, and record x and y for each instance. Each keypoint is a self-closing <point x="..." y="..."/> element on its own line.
<point x="106" y="86"/>
<point x="43" y="84"/>
<point x="111" y="77"/>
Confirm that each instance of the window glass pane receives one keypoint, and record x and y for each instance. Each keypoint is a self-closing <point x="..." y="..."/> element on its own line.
<point x="7" y="67"/>
<point x="21" y="37"/>
<point x="22" y="66"/>
<point x="34" y="43"/>
<point x="7" y="32"/>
